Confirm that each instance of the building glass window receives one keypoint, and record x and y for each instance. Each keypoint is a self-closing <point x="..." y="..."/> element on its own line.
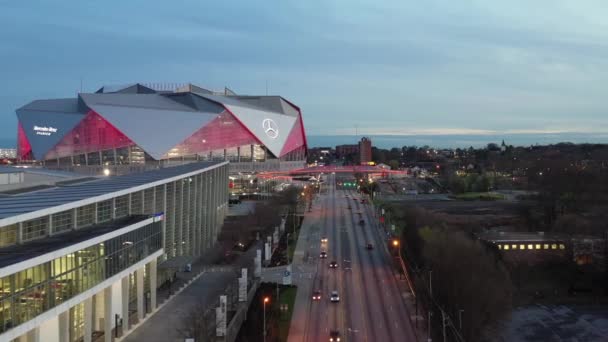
<point x="259" y="154"/>
<point x="104" y="211"/>
<point x="36" y="228"/>
<point x="562" y="246"/>
<point x="537" y="246"/>
<point x="149" y="201"/>
<point x="506" y="247"/>
<point x="85" y="216"/>
<point x="553" y="246"/>
<point x="93" y="158"/>
<point x="44" y="286"/>
<point x="62" y="221"/>
<point x="513" y="246"/>
<point x="232" y="154"/>
<point x="136" y="202"/>
<point x="8" y="235"/>
<point x="80" y="159"/>
<point x="546" y="246"/>
<point x="122" y="156"/>
<point x="160" y="199"/>
<point x="245" y="153"/>
<point x="121" y="206"/>
<point x="107" y="157"/>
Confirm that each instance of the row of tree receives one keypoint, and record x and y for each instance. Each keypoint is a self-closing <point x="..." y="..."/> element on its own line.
<point x="467" y="280"/>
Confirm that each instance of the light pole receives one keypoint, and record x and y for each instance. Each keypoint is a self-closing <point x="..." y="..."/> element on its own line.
<point x="460" y="319"/>
<point x="431" y="283"/>
<point x="266" y="300"/>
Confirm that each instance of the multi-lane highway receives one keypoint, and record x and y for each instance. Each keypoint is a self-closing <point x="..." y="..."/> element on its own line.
<point x="371" y="307"/>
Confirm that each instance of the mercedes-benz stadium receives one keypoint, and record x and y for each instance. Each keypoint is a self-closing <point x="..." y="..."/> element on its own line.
<point x="120" y="129"/>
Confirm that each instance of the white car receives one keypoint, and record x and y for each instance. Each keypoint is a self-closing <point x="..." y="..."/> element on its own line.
<point x="335" y="297"/>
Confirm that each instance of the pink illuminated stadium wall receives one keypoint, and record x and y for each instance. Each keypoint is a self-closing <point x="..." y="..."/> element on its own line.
<point x="223" y="132"/>
<point x="92" y="134"/>
<point x="24" y="149"/>
<point x="295" y="139"/>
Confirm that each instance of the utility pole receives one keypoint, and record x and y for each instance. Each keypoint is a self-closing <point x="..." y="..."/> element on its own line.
<point x="431" y="283"/>
<point x="429" y="320"/>
<point x="443" y="322"/>
<point x="460" y="319"/>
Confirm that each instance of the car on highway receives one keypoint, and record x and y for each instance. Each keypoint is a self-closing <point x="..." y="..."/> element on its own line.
<point x="333" y="264"/>
<point x="369" y="246"/>
<point x="323" y="255"/>
<point x="334" y="336"/>
<point x="324" y="239"/>
<point x="316" y="295"/>
<point x="335" y="297"/>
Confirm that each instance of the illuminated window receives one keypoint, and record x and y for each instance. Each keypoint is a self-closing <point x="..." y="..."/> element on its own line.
<point x="537" y="246"/>
<point x="553" y="246"/>
<point x="513" y="246"/>
<point x="530" y="246"/>
<point x="499" y="246"/>
<point x="562" y="246"/>
<point x="522" y="246"/>
<point x="546" y="246"/>
<point x="506" y="247"/>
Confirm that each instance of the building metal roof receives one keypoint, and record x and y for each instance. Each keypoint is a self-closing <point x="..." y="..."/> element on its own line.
<point x="144" y="116"/>
<point x="25" y="206"/>
<point x="498" y="237"/>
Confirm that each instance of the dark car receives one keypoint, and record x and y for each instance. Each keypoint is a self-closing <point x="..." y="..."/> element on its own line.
<point x="334" y="336"/>
<point x="369" y="246"/>
<point x="362" y="222"/>
<point x="333" y="264"/>
<point x="323" y="255"/>
<point x="316" y="295"/>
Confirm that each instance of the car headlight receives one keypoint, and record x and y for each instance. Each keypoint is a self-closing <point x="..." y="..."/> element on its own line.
<point x="338" y="339"/>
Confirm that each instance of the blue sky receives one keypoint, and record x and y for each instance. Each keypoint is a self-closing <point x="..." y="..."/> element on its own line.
<point x="389" y="67"/>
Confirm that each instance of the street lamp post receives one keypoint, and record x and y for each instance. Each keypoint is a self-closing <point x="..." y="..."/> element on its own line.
<point x="460" y="319"/>
<point x="266" y="300"/>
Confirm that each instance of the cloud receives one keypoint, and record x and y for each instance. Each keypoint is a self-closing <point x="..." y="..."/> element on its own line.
<point x="392" y="66"/>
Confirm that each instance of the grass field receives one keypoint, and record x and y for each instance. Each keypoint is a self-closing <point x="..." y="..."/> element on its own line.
<point x="479" y="196"/>
<point x="288" y="296"/>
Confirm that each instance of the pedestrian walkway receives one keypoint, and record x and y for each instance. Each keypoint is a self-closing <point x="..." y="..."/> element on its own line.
<point x="201" y="287"/>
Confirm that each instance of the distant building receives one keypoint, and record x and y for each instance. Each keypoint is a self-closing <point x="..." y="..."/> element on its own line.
<point x="344" y="150"/>
<point x="365" y="150"/>
<point x="10" y="153"/>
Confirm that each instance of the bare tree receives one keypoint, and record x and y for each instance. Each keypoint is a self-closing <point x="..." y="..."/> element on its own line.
<point x="198" y="323"/>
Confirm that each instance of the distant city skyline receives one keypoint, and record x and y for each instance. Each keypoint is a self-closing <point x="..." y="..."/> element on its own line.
<point x="440" y="68"/>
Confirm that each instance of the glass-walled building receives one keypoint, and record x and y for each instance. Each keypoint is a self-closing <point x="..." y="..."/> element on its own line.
<point x="74" y="255"/>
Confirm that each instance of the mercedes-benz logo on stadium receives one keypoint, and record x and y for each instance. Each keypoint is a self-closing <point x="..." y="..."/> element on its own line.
<point x="270" y="128"/>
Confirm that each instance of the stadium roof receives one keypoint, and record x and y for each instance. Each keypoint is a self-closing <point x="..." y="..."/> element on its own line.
<point x="12" y="207"/>
<point x="158" y="121"/>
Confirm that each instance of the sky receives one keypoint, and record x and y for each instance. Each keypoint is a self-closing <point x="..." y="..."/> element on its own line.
<point x="392" y="67"/>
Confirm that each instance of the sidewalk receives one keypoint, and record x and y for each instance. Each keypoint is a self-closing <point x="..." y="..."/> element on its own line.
<point x="304" y="267"/>
<point x="200" y="287"/>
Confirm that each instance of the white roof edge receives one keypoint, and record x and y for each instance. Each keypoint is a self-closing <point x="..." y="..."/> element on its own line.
<point x="79" y="203"/>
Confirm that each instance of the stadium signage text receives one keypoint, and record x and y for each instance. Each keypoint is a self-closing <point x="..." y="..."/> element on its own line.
<point x="43" y="130"/>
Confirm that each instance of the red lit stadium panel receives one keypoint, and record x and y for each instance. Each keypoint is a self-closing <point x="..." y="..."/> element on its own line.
<point x="24" y="148"/>
<point x="223" y="132"/>
<point x="92" y="134"/>
<point x="295" y="139"/>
